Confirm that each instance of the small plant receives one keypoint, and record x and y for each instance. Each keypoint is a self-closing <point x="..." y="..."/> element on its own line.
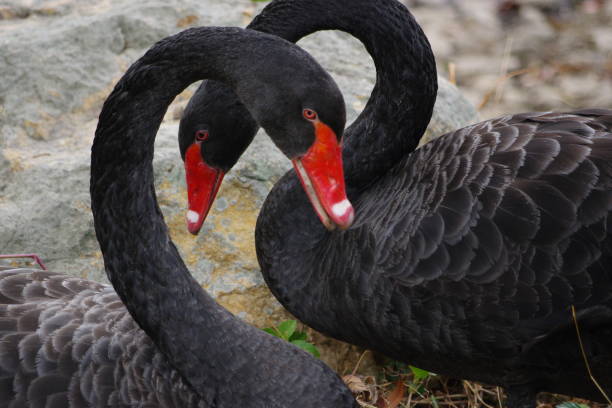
<point x="419" y="377"/>
<point x="419" y="374"/>
<point x="413" y="378"/>
<point x="569" y="404"/>
<point x="287" y="331"/>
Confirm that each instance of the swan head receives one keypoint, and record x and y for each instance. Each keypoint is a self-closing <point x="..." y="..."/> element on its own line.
<point x="211" y="141"/>
<point x="300" y="107"/>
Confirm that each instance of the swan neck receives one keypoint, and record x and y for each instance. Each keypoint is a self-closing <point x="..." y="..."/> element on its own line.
<point x="297" y="255"/>
<point x="401" y="104"/>
<point x="141" y="260"/>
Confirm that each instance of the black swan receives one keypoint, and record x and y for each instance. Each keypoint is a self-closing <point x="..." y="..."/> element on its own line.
<point x="466" y="255"/>
<point x="68" y="342"/>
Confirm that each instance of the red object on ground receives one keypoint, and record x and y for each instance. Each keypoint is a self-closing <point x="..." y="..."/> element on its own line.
<point x="33" y="256"/>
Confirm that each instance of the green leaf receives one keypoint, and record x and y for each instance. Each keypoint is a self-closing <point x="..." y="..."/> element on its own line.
<point x="298" y="336"/>
<point x="287" y="328"/>
<point x="418" y="373"/>
<point x="569" y="404"/>
<point x="434" y="402"/>
<point x="306" y="346"/>
<point x="271" y="330"/>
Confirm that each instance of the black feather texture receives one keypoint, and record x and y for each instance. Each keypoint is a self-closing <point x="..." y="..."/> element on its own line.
<point x="474" y="258"/>
<point x="466" y="254"/>
<point x="157" y="339"/>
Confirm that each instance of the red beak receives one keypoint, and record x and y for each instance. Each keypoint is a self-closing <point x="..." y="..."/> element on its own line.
<point x="203" y="182"/>
<point x="320" y="171"/>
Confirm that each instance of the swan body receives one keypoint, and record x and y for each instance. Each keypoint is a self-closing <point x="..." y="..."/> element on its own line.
<point x="70" y="342"/>
<point x="465" y="256"/>
<point x="156" y="338"/>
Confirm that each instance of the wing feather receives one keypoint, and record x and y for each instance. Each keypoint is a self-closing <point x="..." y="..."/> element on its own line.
<point x="66" y="341"/>
<point x="513" y="226"/>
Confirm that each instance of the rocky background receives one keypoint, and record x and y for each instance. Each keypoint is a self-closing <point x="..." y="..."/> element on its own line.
<point x="510" y="56"/>
<point x="59" y="59"/>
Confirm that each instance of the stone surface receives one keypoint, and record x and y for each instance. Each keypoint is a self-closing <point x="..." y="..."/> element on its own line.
<point x="60" y="59"/>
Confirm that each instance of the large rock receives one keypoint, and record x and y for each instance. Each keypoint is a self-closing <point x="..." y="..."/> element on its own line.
<point x="57" y="69"/>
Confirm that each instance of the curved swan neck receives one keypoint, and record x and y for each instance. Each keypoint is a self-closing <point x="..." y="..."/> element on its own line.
<point x="403" y="97"/>
<point x="197" y="336"/>
<point x="293" y="248"/>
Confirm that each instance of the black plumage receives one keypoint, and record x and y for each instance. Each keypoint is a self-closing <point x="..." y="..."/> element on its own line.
<point x="157" y="339"/>
<point x="467" y="254"/>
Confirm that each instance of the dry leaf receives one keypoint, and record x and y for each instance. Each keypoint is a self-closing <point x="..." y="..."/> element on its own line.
<point x="397" y="394"/>
<point x="355" y="384"/>
<point x="187" y="21"/>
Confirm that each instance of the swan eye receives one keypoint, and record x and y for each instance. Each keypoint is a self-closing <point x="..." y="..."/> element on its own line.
<point x="309" y="114"/>
<point x="201" y="135"/>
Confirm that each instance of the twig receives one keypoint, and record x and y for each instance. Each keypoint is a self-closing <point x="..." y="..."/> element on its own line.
<point x="499" y="398"/>
<point x="479" y="396"/>
<point x="452" y="73"/>
<point x="33" y="256"/>
<point x="487" y="97"/>
<point x="426" y="401"/>
<point x="410" y="398"/>
<point x="359" y="362"/>
<point x="584" y="356"/>
<point x="503" y="69"/>
<point x="447" y="395"/>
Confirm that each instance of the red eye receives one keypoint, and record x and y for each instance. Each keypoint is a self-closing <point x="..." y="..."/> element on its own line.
<point x="201" y="135"/>
<point x="309" y="114"/>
